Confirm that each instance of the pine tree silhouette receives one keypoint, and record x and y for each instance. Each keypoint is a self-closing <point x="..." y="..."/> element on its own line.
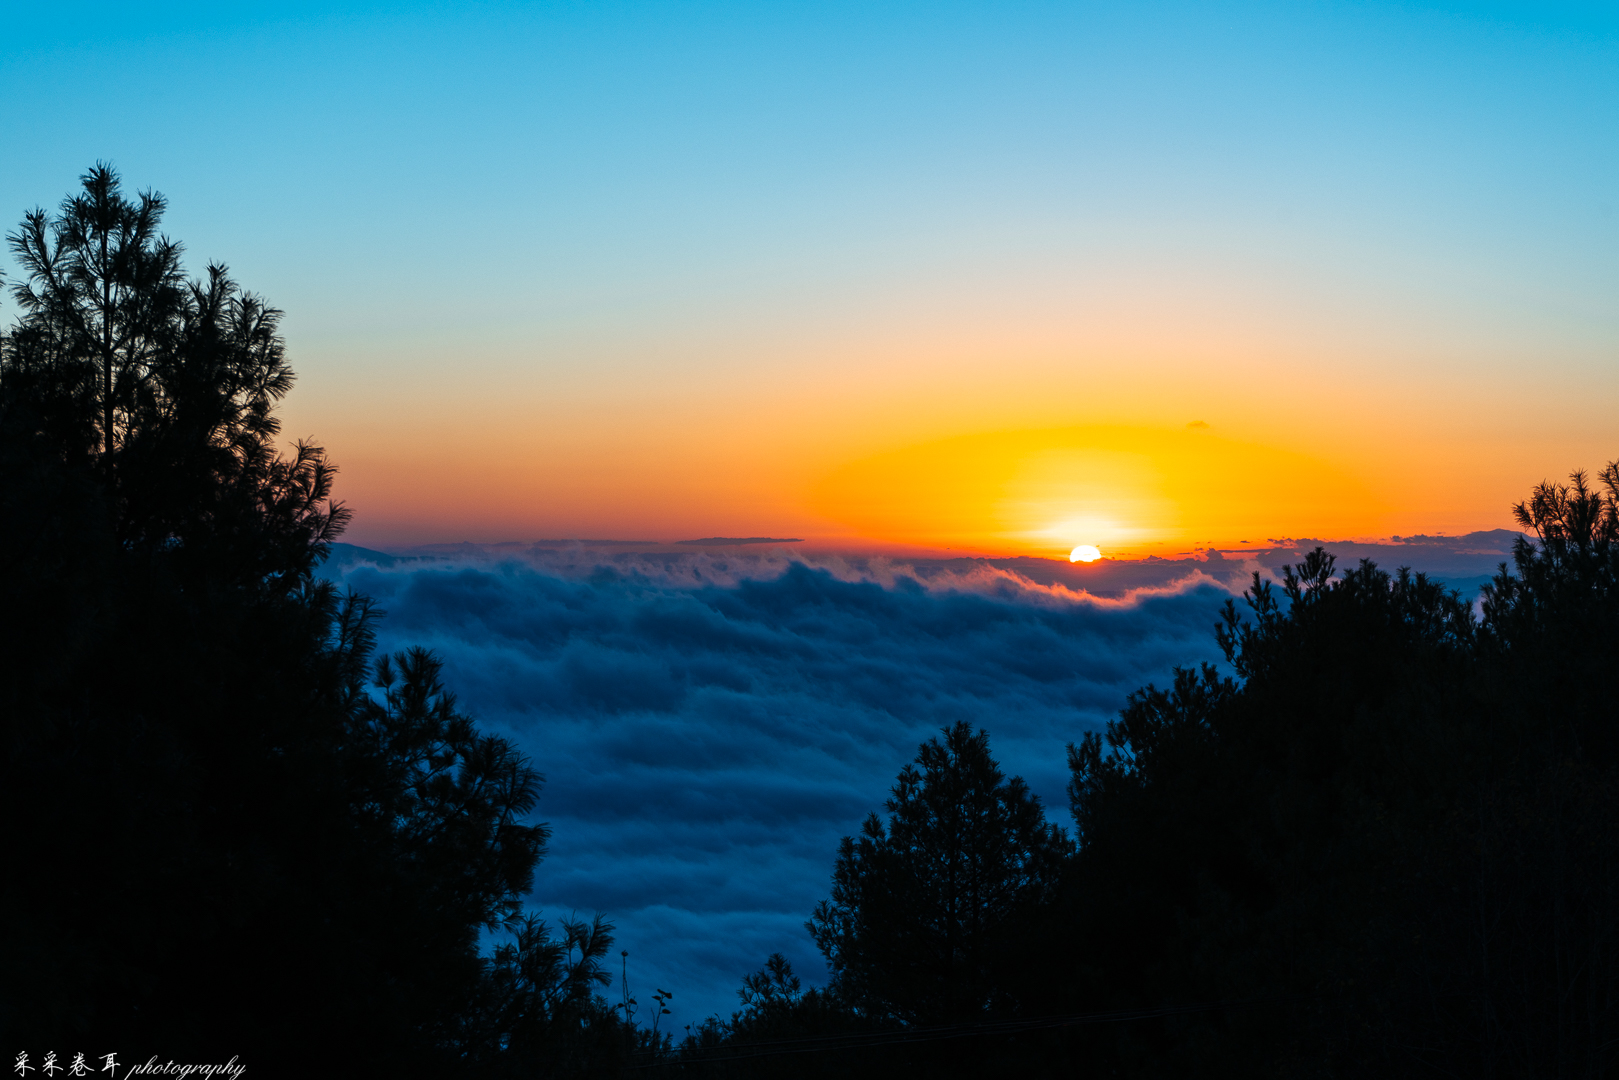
<point x="229" y="827"/>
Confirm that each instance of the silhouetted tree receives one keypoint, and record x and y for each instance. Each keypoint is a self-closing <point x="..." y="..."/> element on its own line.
<point x="104" y="299"/>
<point x="1386" y="846"/>
<point x="228" y="826"/>
<point x="772" y="989"/>
<point x="541" y="1013"/>
<point x="1386" y="842"/>
<point x="166" y="387"/>
<point x="919" y="906"/>
<point x="1240" y="838"/>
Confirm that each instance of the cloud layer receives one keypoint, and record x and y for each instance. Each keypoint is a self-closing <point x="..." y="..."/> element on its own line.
<point x="711" y="722"/>
<point x="709" y="727"/>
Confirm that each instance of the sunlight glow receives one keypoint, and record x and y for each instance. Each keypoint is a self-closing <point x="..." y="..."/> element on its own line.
<point x="1084" y="553"/>
<point x="1056" y="491"/>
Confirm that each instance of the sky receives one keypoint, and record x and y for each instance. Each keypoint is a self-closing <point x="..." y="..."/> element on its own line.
<point x="1002" y="279"/>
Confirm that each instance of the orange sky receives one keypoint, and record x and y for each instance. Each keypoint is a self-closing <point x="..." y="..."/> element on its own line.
<point x="994" y="451"/>
<point x="958" y="275"/>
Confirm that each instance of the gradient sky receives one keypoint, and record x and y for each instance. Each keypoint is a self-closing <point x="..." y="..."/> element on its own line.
<point x="937" y="274"/>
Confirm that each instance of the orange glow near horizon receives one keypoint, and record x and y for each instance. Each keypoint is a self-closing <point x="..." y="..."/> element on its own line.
<point x="1128" y="490"/>
<point x="899" y="283"/>
<point x="926" y="449"/>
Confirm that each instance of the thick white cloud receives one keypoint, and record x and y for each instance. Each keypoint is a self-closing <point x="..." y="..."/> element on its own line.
<point x="710" y="724"/>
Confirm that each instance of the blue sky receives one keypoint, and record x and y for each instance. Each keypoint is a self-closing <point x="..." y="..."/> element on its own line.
<point x="573" y="239"/>
<point x="473" y="156"/>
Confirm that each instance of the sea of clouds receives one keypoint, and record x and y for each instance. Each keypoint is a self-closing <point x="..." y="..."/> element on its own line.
<point x="711" y="722"/>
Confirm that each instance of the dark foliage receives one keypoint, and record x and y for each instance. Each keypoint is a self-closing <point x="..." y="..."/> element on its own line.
<point x="923" y="934"/>
<point x="541" y="1013"/>
<point x="1386" y="843"/>
<point x="917" y="923"/>
<point x="1387" y="846"/>
<point x="228" y="828"/>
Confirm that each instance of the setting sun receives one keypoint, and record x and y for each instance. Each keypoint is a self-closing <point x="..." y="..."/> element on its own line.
<point x="1133" y="489"/>
<point x="1084" y="553"/>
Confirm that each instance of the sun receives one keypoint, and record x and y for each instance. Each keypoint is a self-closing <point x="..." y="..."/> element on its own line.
<point x="1085" y="553"/>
